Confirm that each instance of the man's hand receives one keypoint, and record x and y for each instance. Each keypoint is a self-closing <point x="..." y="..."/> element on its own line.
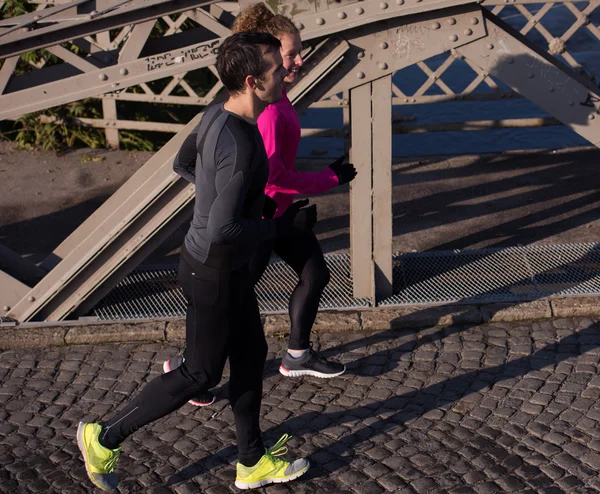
<point x="297" y="218"/>
<point x="344" y="171"/>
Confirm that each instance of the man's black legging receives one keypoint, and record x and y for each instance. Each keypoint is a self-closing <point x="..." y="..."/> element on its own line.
<point x="304" y="255"/>
<point x="222" y="321"/>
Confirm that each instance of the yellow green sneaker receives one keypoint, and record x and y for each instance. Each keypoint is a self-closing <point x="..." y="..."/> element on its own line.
<point x="270" y="469"/>
<point x="99" y="461"/>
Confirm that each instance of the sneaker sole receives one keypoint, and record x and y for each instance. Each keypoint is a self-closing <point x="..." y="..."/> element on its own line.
<point x="254" y="485"/>
<point x="298" y="373"/>
<point x="81" y="446"/>
<point x="167" y="368"/>
<point x="202" y="403"/>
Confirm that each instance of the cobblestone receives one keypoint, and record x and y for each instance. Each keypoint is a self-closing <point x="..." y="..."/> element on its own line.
<point x="507" y="407"/>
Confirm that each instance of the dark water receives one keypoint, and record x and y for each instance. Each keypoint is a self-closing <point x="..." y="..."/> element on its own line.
<point x="583" y="46"/>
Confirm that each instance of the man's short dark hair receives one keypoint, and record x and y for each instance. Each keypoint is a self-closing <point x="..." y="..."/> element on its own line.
<point x="241" y="55"/>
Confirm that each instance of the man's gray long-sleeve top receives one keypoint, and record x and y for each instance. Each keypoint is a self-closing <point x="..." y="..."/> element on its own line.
<point x="225" y="158"/>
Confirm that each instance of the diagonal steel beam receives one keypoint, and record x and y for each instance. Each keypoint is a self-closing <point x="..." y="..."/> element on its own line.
<point x="541" y="78"/>
<point x="18" y="42"/>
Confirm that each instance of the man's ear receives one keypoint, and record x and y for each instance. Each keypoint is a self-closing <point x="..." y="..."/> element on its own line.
<point x="251" y="82"/>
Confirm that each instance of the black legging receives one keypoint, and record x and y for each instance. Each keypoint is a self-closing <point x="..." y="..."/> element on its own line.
<point x="303" y="254"/>
<point x="222" y="321"/>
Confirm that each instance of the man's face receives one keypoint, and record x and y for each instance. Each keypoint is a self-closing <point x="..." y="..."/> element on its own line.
<point x="269" y="87"/>
<point x="291" y="46"/>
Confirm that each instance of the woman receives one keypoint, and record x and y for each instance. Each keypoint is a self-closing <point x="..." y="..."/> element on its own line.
<point x="279" y="126"/>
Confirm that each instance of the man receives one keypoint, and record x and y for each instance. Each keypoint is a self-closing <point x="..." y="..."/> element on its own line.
<point x="223" y="319"/>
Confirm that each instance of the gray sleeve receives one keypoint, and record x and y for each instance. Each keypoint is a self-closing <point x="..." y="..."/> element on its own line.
<point x="185" y="161"/>
<point x="233" y="178"/>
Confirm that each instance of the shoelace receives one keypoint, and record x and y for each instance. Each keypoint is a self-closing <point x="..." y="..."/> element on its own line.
<point x="314" y="360"/>
<point x="278" y="449"/>
<point x="112" y="461"/>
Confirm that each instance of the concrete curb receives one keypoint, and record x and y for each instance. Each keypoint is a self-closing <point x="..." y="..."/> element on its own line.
<point x="41" y="335"/>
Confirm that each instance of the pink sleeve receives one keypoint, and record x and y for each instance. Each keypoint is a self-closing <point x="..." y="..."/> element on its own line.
<point x="281" y="177"/>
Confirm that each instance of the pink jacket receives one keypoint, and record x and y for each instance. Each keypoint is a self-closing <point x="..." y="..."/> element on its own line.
<point x="279" y="126"/>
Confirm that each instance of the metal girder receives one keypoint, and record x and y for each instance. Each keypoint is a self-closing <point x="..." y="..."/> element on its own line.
<point x="20" y="268"/>
<point x="88" y="24"/>
<point x="349" y="15"/>
<point x="107" y="79"/>
<point x="542" y="79"/>
<point x="11" y="291"/>
<point x="381" y="49"/>
<point x="110" y="237"/>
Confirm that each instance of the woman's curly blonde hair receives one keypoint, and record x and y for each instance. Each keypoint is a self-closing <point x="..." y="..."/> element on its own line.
<point x="259" y="18"/>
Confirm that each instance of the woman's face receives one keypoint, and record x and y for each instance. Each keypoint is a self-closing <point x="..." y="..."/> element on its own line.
<point x="291" y="46"/>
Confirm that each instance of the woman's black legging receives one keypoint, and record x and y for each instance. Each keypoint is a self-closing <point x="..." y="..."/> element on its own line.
<point x="303" y="254"/>
<point x="222" y="321"/>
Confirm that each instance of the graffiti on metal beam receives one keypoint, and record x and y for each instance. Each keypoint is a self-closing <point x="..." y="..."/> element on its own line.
<point x="555" y="77"/>
<point x="409" y="38"/>
<point x="196" y="53"/>
<point x="590" y="100"/>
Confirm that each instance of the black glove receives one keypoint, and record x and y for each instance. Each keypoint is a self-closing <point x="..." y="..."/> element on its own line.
<point x="269" y="208"/>
<point x="297" y="219"/>
<point x="344" y="171"/>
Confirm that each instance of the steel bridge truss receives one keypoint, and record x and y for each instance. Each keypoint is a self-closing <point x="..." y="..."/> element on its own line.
<point x="109" y="47"/>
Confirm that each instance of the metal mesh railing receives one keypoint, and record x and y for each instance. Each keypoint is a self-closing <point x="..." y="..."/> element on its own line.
<point x="495" y="275"/>
<point x="154" y="291"/>
<point x="477" y="276"/>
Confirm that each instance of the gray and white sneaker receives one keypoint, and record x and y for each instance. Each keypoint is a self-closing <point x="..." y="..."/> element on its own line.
<point x="310" y="364"/>
<point x="203" y="399"/>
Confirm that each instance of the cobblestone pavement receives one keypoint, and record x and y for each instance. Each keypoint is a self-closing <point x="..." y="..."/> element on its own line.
<point x="495" y="408"/>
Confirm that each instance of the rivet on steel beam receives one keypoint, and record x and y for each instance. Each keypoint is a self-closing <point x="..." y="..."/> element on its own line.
<point x="551" y="89"/>
<point x="360" y="10"/>
<point x="114" y="84"/>
<point x="406" y="100"/>
<point x="360" y="75"/>
<point x="103" y="77"/>
<point x="383" y="45"/>
<point x="320" y="21"/>
<point x="36" y="17"/>
<point x="490" y="46"/>
<point x="31" y="299"/>
<point x="6" y="308"/>
<point x="413" y="100"/>
<point x="383" y="65"/>
<point x="453" y="37"/>
<point x="474" y="21"/>
<point x="452" y="21"/>
<point x="531" y="75"/>
<point x="300" y="26"/>
<point x="383" y="5"/>
<point x="123" y="72"/>
<point x="361" y="54"/>
<point x="435" y="25"/>
<point x="592" y="116"/>
<point x="342" y="15"/>
<point x="400" y="2"/>
<point x="571" y="103"/>
<point x="468" y="32"/>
